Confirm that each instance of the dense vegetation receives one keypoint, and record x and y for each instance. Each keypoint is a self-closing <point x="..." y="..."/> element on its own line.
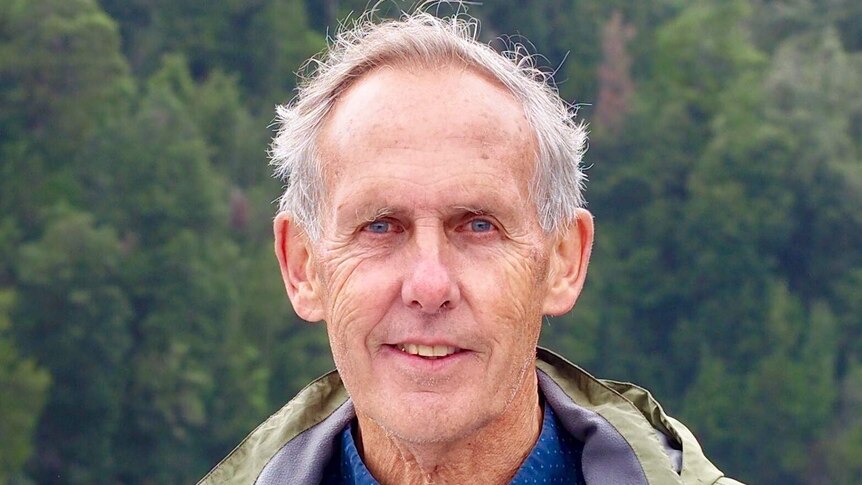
<point x="143" y="326"/>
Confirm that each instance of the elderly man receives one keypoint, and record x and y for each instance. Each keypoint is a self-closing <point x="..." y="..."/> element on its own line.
<point x="432" y="216"/>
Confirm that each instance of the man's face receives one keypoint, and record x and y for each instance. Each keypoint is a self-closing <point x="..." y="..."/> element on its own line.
<point x="431" y="269"/>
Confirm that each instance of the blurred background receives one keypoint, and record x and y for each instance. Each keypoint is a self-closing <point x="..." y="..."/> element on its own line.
<point x="144" y="330"/>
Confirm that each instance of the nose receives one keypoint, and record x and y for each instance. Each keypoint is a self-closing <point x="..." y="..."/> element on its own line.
<point x="430" y="286"/>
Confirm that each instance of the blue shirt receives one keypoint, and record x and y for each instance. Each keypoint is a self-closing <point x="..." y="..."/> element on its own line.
<point x="556" y="458"/>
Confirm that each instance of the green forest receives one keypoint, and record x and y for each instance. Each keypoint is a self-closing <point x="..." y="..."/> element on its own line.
<point x="144" y="328"/>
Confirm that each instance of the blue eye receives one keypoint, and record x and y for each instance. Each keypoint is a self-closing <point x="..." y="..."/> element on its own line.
<point x="378" y="227"/>
<point x="481" y="225"/>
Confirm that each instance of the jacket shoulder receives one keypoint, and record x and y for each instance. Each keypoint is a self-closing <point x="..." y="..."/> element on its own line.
<point x="614" y="400"/>
<point x="312" y="405"/>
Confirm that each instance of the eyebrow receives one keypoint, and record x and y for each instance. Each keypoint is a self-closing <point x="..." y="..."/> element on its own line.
<point x="371" y="214"/>
<point x="370" y="211"/>
<point x="473" y="209"/>
<point x="367" y="212"/>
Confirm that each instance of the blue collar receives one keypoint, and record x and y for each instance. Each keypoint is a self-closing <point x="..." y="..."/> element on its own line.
<point x="556" y="458"/>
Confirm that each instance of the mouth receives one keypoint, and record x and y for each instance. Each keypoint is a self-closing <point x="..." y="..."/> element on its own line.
<point x="429" y="352"/>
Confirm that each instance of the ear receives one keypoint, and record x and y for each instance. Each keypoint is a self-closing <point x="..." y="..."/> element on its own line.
<point x="570" y="257"/>
<point x="294" y="253"/>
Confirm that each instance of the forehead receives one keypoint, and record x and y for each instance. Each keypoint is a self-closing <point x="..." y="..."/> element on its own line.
<point x="444" y="111"/>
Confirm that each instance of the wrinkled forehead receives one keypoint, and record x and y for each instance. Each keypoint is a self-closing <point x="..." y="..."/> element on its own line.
<point x="428" y="108"/>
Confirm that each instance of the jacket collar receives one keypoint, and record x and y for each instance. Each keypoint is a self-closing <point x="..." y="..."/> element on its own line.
<point x="628" y="439"/>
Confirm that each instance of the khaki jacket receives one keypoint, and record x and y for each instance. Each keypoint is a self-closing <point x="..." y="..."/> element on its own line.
<point x="628" y="439"/>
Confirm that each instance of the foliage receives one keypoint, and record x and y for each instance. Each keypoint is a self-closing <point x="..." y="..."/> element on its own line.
<point x="22" y="395"/>
<point x="73" y="318"/>
<point x="61" y="72"/>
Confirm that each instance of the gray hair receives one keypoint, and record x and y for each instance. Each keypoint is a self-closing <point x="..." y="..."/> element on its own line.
<point x="420" y="38"/>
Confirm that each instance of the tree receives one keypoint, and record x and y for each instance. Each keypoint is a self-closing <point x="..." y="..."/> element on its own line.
<point x="842" y="444"/>
<point x="73" y="318"/>
<point x="616" y="87"/>
<point x="814" y="94"/>
<point x="61" y="73"/>
<point x="195" y="384"/>
<point x="261" y="41"/>
<point x="23" y="387"/>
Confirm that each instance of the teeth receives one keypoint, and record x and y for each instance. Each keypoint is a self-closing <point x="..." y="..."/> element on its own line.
<point x="428" y="350"/>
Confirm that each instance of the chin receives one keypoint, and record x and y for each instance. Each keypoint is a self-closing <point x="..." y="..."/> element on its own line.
<point x="426" y="433"/>
<point x="441" y="420"/>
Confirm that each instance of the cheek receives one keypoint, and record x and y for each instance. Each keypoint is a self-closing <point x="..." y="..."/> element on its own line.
<point x="507" y="291"/>
<point x="358" y="292"/>
<point x="524" y="279"/>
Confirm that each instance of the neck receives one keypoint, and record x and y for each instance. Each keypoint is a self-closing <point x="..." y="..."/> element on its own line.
<point x="492" y="454"/>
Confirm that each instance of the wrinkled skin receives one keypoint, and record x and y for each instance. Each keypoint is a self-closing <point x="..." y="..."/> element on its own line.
<point x="430" y="238"/>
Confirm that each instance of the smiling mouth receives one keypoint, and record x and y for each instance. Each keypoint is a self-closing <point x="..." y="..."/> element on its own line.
<point x="428" y="351"/>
